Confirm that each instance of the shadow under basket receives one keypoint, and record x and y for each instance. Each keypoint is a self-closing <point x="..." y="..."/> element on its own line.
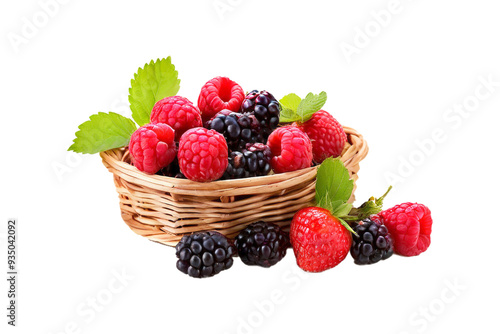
<point x="163" y="209"/>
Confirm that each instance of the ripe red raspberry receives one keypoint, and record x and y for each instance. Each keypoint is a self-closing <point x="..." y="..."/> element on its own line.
<point x="203" y="154"/>
<point x="327" y="135"/>
<point x="410" y="225"/>
<point x="318" y="239"/>
<point x="152" y="147"/>
<point x="178" y="112"/>
<point x="291" y="149"/>
<point x="218" y="94"/>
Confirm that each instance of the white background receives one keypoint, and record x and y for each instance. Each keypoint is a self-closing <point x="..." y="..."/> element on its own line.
<point x="396" y="90"/>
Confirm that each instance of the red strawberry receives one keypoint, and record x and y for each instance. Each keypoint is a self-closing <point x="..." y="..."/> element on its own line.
<point x="327" y="135"/>
<point x="319" y="240"/>
<point x="410" y="225"/>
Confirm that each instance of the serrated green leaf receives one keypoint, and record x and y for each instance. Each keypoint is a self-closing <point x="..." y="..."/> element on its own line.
<point x="104" y="131"/>
<point x="333" y="182"/>
<point x="310" y="104"/>
<point x="342" y="210"/>
<point x="347" y="226"/>
<point x="288" y="116"/>
<point x="150" y="84"/>
<point x="291" y="101"/>
<point x="289" y="105"/>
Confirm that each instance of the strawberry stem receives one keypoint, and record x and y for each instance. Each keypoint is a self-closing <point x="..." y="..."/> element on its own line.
<point x="367" y="209"/>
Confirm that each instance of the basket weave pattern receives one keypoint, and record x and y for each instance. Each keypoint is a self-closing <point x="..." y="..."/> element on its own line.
<point x="163" y="209"/>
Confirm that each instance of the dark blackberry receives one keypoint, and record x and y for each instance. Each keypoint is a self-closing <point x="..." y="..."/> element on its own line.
<point x="262" y="244"/>
<point x="265" y="107"/>
<point x="255" y="160"/>
<point x="373" y="243"/>
<point x="237" y="128"/>
<point x="204" y="254"/>
<point x="172" y="170"/>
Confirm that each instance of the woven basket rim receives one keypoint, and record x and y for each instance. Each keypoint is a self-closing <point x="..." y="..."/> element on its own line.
<point x="114" y="159"/>
<point x="163" y="209"/>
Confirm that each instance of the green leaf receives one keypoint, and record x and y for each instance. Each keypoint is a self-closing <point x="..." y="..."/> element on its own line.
<point x="368" y="208"/>
<point x="288" y="115"/>
<point x="150" y="84"/>
<point x="334" y="188"/>
<point x="333" y="182"/>
<point x="308" y="106"/>
<point x="291" y="101"/>
<point x="289" y="105"/>
<point x="342" y="210"/>
<point x="103" y="132"/>
<point x="347" y="226"/>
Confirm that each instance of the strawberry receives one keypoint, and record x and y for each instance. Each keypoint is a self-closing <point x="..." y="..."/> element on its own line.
<point x="319" y="240"/>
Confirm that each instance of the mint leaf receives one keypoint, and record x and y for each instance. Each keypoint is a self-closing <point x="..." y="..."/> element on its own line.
<point x="291" y="101"/>
<point x="333" y="182"/>
<point x="103" y="132"/>
<point x="289" y="105"/>
<point x="308" y="106"/>
<point x="288" y="115"/>
<point x="150" y="84"/>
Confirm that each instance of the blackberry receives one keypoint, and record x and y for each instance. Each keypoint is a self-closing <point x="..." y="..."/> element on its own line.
<point x="265" y="107"/>
<point x="204" y="254"/>
<point x="237" y="128"/>
<point x="374" y="243"/>
<point x="262" y="244"/>
<point x="172" y="170"/>
<point x="255" y="160"/>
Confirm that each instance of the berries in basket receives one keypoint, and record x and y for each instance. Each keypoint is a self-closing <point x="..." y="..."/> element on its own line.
<point x="244" y="174"/>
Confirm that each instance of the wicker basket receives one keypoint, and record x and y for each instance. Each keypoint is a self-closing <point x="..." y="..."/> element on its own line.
<point x="163" y="209"/>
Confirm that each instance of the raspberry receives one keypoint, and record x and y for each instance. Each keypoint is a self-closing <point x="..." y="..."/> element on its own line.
<point x="202" y="155"/>
<point x="410" y="225"/>
<point x="238" y="129"/>
<point x="152" y="147"/>
<point x="252" y="161"/>
<point x="372" y="244"/>
<point x="204" y="254"/>
<point x="218" y="94"/>
<point x="327" y="135"/>
<point x="262" y="244"/>
<point x="178" y="112"/>
<point x="265" y="107"/>
<point x="291" y="149"/>
<point x="318" y="239"/>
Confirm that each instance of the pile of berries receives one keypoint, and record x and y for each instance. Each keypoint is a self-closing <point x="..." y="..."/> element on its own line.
<point x="318" y="239"/>
<point x="321" y="242"/>
<point x="233" y="135"/>
<point x="230" y="135"/>
<point x="205" y="254"/>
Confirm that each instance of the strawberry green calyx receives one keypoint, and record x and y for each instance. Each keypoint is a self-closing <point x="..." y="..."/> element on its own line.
<point x="367" y="209"/>
<point x="334" y="188"/>
<point x="295" y="109"/>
